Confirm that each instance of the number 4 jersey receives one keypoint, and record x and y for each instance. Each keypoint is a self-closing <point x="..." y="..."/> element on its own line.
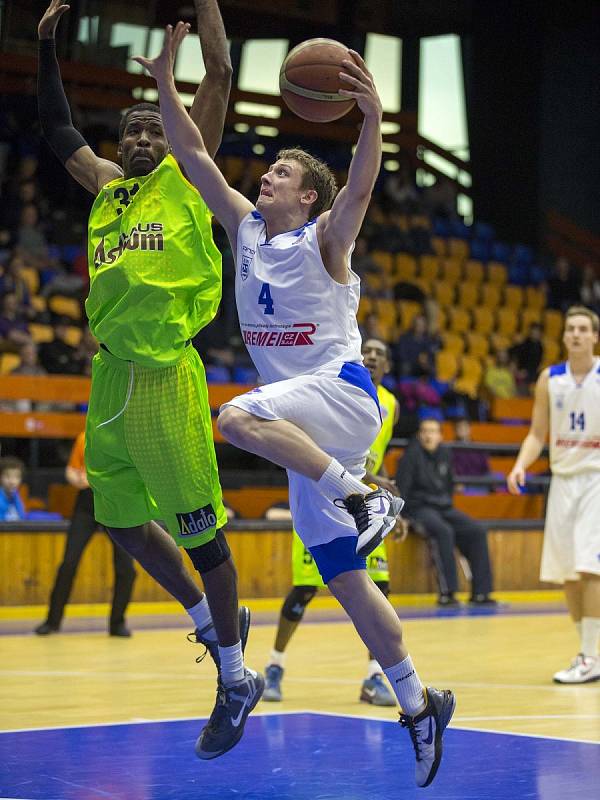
<point x="155" y="272"/>
<point x="294" y="318"/>
<point x="574" y="420"/>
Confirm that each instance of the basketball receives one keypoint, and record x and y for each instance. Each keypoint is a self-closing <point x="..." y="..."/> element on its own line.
<point x="309" y="80"/>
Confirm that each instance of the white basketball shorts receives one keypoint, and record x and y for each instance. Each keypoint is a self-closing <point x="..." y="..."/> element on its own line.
<point x="342" y="418"/>
<point x="572" y="530"/>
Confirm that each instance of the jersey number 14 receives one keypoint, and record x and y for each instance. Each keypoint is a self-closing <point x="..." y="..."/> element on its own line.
<point x="577" y="421"/>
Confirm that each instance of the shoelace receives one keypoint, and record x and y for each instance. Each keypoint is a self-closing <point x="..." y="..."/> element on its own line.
<point x="191" y="637"/>
<point x="220" y="709"/>
<point x="407" y="722"/>
<point x="360" y="514"/>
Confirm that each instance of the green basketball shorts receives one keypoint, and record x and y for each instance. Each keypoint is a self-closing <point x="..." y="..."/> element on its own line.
<point x="305" y="572"/>
<point x="149" y="449"/>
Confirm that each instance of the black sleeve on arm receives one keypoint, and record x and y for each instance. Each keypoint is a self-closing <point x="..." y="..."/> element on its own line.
<point x="53" y="107"/>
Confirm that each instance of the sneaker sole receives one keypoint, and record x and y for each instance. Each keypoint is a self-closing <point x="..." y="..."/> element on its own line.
<point x="363" y="549"/>
<point x="442" y="720"/>
<point x="204" y="756"/>
<point x="576" y="683"/>
<point x="271" y="698"/>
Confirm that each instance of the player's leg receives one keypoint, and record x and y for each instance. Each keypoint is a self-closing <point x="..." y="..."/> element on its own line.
<point x="471" y="540"/>
<point x="79" y="533"/>
<point x="123" y="588"/>
<point x="374" y="689"/>
<point x="315" y="426"/>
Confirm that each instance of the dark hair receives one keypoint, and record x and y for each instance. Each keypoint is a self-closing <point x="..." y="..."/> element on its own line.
<point x="388" y="349"/>
<point x="10" y="462"/>
<point x="317" y="176"/>
<point x="138" y="107"/>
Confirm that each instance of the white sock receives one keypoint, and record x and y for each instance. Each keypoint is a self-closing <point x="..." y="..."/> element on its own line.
<point x="232" y="663"/>
<point x="578" y="629"/>
<point x="337" y="483"/>
<point x="277" y="658"/>
<point x="590" y="636"/>
<point x="374" y="668"/>
<point x="200" y="614"/>
<point x="407" y="687"/>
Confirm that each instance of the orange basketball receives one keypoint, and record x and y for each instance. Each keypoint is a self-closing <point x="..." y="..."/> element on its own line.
<point x="309" y="80"/>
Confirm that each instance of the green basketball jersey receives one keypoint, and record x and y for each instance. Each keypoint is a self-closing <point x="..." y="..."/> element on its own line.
<point x="155" y="272"/>
<point x="387" y="401"/>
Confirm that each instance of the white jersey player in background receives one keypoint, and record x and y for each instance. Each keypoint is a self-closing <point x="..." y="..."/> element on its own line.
<point x="567" y="400"/>
<point x="318" y="412"/>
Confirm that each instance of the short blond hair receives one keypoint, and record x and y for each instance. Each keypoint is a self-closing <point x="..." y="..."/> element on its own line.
<point x="582" y="311"/>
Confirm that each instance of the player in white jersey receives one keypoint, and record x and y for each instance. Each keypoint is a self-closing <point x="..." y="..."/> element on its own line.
<point x="318" y="414"/>
<point x="567" y="400"/>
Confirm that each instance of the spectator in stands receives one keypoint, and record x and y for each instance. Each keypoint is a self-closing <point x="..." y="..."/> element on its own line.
<point x="13" y="324"/>
<point x="468" y="461"/>
<point x="365" y="266"/>
<point x="12" y="282"/>
<point x="590" y="288"/>
<point x="58" y="356"/>
<point x="441" y="198"/>
<point x="11" y="478"/>
<point x="31" y="240"/>
<point x="414" y="350"/>
<point x="528" y="355"/>
<point x="499" y="376"/>
<point x="371" y="328"/>
<point x="425" y="479"/>
<point x="563" y="286"/>
<point x="30" y="363"/>
<point x="82" y="527"/>
<point x="399" y="190"/>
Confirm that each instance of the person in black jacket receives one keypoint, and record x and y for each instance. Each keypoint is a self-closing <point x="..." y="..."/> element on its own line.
<point x="425" y="479"/>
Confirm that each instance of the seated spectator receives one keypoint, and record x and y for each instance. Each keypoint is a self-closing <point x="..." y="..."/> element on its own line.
<point x="31" y="240"/>
<point x="400" y="191"/>
<point x="371" y="328"/>
<point x="528" y="355"/>
<point x="414" y="350"/>
<point x="11" y="478"/>
<point x="499" y="377"/>
<point x="563" y="286"/>
<point x="12" y="282"/>
<point x="58" y="356"/>
<point x="13" y="324"/>
<point x="468" y="461"/>
<point x="425" y="480"/>
<point x="30" y="363"/>
<point x="441" y="198"/>
<point x="590" y="288"/>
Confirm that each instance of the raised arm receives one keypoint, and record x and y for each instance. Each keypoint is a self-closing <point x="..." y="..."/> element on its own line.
<point x="337" y="229"/>
<point x="533" y="443"/>
<point x="210" y="103"/>
<point x="229" y="206"/>
<point x="55" y="115"/>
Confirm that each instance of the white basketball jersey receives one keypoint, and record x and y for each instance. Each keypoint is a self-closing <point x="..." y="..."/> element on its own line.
<point x="574" y="420"/>
<point x="294" y="318"/>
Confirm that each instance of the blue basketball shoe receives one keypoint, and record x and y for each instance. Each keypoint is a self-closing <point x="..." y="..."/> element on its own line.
<point x="212" y="646"/>
<point x="375" y="691"/>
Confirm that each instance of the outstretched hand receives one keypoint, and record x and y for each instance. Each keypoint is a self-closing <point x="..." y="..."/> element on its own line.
<point x="49" y="21"/>
<point x="361" y="85"/>
<point x="161" y="67"/>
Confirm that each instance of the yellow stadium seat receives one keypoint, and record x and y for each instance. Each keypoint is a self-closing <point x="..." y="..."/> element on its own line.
<point x="365" y="307"/>
<point x="497" y="273"/>
<point x="429" y="267"/>
<point x="408" y="311"/>
<point x="446" y="365"/>
<point x="483" y="320"/>
<point x="473" y="270"/>
<point x="553" y="323"/>
<point x="41" y="333"/>
<point x="507" y="322"/>
<point x="406" y="267"/>
<point x="460" y="320"/>
<point x="383" y="259"/>
<point x="453" y="342"/>
<point x="451" y="271"/>
<point x="552" y="351"/>
<point x="458" y="248"/>
<point x="439" y="245"/>
<point x="443" y="293"/>
<point x="373" y="282"/>
<point x="468" y="294"/>
<point x="478" y="345"/>
<point x="535" y="298"/>
<point x="469" y="377"/>
<point x="32" y="278"/>
<point x="513" y="297"/>
<point x="424" y="286"/>
<point x="8" y="362"/>
<point x="490" y="295"/>
<point x="387" y="310"/>
<point x="73" y="335"/>
<point x="528" y="317"/>
<point x="65" y="306"/>
<point x="500" y="342"/>
<point x="38" y="303"/>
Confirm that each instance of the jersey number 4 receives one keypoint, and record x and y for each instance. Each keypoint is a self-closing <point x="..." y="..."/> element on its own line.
<point x="265" y="299"/>
<point x="577" y="421"/>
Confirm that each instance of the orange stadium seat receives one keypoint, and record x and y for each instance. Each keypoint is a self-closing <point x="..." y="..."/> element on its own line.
<point x="497" y="273"/>
<point x="513" y="297"/>
<point x="406" y="267"/>
<point x="478" y="345"/>
<point x="553" y="323"/>
<point x="507" y="322"/>
<point x="451" y="270"/>
<point x="429" y="267"/>
<point x="443" y="293"/>
<point x="446" y="365"/>
<point x="460" y="320"/>
<point x="483" y="320"/>
<point x="453" y="343"/>
<point x="473" y="270"/>
<point x="468" y="294"/>
<point x="535" y="298"/>
<point x="490" y="295"/>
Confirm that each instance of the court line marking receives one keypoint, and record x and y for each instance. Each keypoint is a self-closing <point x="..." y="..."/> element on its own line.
<point x="283" y="712"/>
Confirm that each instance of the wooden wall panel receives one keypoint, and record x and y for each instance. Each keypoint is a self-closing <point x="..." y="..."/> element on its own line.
<point x="28" y="563"/>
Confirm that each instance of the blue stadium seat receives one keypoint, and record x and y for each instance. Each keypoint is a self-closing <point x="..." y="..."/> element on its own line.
<point x="481" y="230"/>
<point x="522" y="255"/>
<point x="217" y="374"/>
<point x="480" y="249"/>
<point x="459" y="230"/>
<point x="244" y="375"/>
<point x="500" y="252"/>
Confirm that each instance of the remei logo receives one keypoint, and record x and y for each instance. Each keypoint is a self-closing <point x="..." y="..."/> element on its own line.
<point x="195" y="522"/>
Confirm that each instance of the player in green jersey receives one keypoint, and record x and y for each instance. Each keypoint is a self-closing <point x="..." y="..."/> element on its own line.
<point x="155" y="281"/>
<point x="305" y="575"/>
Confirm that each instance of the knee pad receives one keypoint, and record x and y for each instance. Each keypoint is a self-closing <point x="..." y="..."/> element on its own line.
<point x="295" y="603"/>
<point x="384" y="587"/>
<point x="210" y="555"/>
